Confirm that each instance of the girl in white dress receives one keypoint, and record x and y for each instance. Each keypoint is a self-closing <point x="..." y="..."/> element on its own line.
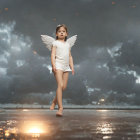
<point x="61" y="60"/>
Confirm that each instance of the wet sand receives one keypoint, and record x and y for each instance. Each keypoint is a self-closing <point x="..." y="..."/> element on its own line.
<point x="76" y="124"/>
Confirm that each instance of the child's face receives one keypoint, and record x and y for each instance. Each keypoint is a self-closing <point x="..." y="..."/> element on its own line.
<point x="61" y="33"/>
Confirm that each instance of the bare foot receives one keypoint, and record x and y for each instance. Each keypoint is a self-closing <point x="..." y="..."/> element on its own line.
<point x="52" y="105"/>
<point x="59" y="113"/>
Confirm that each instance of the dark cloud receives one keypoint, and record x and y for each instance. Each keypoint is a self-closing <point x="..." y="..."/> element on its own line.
<point x="106" y="54"/>
<point x="130" y="53"/>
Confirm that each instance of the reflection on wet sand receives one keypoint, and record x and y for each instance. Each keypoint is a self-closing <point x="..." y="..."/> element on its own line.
<point x="26" y="129"/>
<point x="104" y="128"/>
<point x="75" y="124"/>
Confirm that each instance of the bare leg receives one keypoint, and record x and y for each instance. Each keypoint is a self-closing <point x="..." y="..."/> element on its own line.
<point x="59" y="79"/>
<point x="54" y="102"/>
<point x="65" y="81"/>
<point x="64" y="78"/>
<point x="55" y="99"/>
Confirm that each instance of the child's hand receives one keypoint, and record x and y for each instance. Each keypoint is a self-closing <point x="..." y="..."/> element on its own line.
<point x="53" y="69"/>
<point x="72" y="71"/>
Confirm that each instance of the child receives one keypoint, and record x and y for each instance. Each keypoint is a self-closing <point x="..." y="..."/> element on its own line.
<point x="61" y="60"/>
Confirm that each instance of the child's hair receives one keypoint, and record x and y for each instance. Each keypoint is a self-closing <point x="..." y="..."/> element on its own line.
<point x="58" y="27"/>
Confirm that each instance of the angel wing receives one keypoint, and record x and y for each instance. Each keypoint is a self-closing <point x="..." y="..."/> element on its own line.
<point x="47" y="40"/>
<point x="72" y="40"/>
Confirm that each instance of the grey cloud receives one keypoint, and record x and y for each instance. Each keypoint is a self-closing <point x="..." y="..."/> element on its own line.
<point x="106" y="53"/>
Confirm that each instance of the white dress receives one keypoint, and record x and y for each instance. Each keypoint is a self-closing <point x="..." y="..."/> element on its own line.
<point x="62" y="55"/>
<point x="62" y="50"/>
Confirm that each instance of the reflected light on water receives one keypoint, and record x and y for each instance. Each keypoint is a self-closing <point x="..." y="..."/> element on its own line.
<point x="24" y="129"/>
<point x="33" y="127"/>
<point x="138" y="130"/>
<point x="102" y="110"/>
<point x="106" y="137"/>
<point x="25" y="110"/>
<point x="7" y="134"/>
<point x="104" y="128"/>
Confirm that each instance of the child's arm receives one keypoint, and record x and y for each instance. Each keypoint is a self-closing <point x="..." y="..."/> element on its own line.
<point x="71" y="62"/>
<point x="53" y="52"/>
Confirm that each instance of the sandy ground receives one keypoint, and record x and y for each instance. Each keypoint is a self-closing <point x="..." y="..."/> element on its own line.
<point x="76" y="124"/>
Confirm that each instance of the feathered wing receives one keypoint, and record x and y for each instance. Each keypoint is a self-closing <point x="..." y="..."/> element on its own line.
<point x="72" y="40"/>
<point x="47" y="40"/>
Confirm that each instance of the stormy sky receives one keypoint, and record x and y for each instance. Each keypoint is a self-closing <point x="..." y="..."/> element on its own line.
<point x="106" y="54"/>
